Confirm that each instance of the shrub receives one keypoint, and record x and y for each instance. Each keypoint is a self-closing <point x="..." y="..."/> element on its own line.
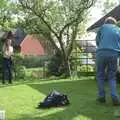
<point x="18" y="67"/>
<point x="86" y="68"/>
<point x="54" y="65"/>
<point x="35" y="61"/>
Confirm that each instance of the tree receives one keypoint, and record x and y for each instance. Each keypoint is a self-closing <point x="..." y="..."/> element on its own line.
<point x="108" y="6"/>
<point x="7" y="14"/>
<point x="105" y="6"/>
<point x="57" y="21"/>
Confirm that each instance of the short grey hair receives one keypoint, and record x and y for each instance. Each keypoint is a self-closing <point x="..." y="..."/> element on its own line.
<point x="110" y="20"/>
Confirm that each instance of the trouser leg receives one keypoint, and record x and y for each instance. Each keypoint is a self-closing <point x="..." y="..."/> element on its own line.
<point x="100" y="63"/>
<point x="10" y="71"/>
<point x="4" y="75"/>
<point x="112" y="68"/>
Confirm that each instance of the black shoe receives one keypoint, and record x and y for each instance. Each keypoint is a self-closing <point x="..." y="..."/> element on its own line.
<point x="3" y="82"/>
<point x="101" y="99"/>
<point x="116" y="101"/>
<point x="10" y="82"/>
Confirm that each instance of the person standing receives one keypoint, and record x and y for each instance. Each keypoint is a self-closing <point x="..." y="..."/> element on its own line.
<point x="108" y="49"/>
<point x="7" y="61"/>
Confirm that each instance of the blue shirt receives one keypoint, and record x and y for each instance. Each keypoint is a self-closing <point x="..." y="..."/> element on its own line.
<point x="108" y="40"/>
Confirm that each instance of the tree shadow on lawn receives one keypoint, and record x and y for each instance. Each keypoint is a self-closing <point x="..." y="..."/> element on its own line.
<point x="82" y="95"/>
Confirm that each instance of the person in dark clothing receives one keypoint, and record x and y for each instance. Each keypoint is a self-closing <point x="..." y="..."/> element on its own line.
<point x="107" y="53"/>
<point x="7" y="61"/>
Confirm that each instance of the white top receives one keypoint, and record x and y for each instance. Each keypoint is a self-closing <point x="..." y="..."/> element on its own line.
<point x="7" y="53"/>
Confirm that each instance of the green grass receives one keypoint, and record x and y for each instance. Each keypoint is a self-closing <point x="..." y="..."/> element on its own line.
<point x="20" y="101"/>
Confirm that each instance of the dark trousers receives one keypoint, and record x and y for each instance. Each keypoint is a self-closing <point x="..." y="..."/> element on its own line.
<point x="109" y="62"/>
<point x="7" y="70"/>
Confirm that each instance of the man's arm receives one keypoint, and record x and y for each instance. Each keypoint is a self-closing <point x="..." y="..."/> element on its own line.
<point x="98" y="37"/>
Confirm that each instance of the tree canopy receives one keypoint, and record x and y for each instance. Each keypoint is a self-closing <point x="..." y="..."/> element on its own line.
<point x="58" y="21"/>
<point x="8" y="11"/>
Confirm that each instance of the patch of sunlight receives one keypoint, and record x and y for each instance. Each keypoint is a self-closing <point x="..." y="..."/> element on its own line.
<point x="46" y="113"/>
<point x="81" y="117"/>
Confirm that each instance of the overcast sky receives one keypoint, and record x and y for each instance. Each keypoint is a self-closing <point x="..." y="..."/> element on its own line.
<point x="96" y="12"/>
<point x="95" y="15"/>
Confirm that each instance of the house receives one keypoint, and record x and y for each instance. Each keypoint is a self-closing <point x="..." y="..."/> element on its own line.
<point x="113" y="13"/>
<point x="30" y="45"/>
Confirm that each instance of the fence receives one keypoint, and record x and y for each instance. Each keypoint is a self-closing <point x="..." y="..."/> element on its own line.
<point x="84" y="59"/>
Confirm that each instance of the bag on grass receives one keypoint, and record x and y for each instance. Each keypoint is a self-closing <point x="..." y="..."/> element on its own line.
<point x="54" y="99"/>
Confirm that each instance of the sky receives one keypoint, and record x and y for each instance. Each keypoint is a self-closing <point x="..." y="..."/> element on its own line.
<point x="96" y="12"/>
<point x="95" y="15"/>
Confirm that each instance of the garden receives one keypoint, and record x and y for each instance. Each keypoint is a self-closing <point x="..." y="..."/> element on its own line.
<point x="56" y="57"/>
<point x="21" y="99"/>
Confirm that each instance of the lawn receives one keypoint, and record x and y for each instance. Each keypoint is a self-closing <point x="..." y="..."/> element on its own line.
<point x="20" y="101"/>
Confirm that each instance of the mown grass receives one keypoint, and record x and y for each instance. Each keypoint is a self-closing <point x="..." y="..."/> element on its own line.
<point x="20" y="100"/>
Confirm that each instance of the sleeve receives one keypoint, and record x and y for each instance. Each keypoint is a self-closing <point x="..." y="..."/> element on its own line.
<point x="98" y="36"/>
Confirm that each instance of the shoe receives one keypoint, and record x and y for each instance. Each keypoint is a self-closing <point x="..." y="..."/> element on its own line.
<point x="3" y="82"/>
<point x="101" y="99"/>
<point x="10" y="82"/>
<point x="116" y="101"/>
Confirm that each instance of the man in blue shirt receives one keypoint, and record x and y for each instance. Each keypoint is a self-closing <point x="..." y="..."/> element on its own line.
<point x="108" y="49"/>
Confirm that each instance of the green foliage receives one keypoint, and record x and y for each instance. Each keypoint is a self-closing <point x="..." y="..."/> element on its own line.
<point x="35" y="61"/>
<point x="8" y="12"/>
<point x="58" y="21"/>
<point x="108" y="6"/>
<point x="54" y="65"/>
<point x="18" y="67"/>
<point x="79" y="59"/>
<point x="86" y="68"/>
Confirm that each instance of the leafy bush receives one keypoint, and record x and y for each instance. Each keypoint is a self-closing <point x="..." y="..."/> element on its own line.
<point x="54" y="65"/>
<point x="18" y="67"/>
<point x="35" y="61"/>
<point x="86" y="68"/>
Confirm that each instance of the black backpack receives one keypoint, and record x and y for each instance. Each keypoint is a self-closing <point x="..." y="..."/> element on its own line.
<point x="54" y="99"/>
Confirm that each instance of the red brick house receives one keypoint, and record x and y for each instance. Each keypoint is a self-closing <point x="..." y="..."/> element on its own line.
<point x="31" y="46"/>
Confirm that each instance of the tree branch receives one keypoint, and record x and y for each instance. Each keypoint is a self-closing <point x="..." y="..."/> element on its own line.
<point x="76" y="19"/>
<point x="74" y="33"/>
<point x="39" y="15"/>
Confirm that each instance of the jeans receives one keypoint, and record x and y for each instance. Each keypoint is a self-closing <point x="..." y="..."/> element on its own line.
<point x="108" y="63"/>
<point x="7" y="70"/>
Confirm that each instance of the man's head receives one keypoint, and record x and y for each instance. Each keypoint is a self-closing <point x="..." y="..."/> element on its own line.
<point x="110" y="20"/>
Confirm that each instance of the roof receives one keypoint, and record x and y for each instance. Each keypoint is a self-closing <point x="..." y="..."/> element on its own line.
<point x="19" y="36"/>
<point x="31" y="46"/>
<point x="113" y="13"/>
